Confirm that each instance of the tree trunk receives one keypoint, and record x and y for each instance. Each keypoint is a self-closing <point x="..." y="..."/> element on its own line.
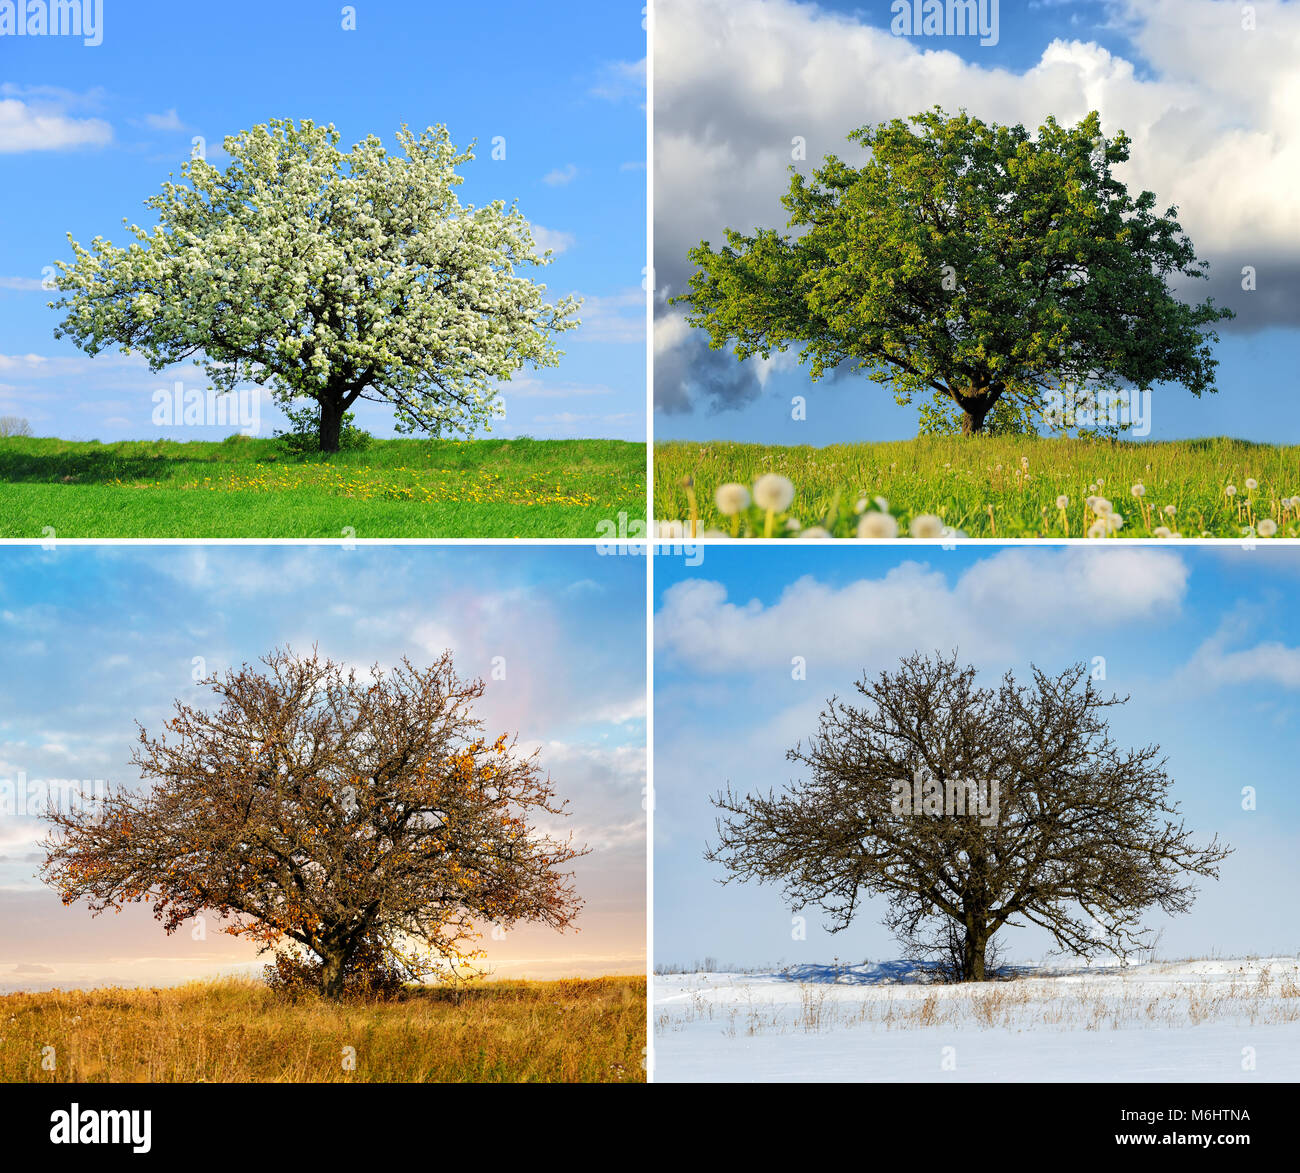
<point x="972" y="960"/>
<point x="972" y="420"/>
<point x="331" y="974"/>
<point x="975" y="406"/>
<point x="331" y="423"/>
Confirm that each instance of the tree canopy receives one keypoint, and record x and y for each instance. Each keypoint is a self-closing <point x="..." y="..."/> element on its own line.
<point x="1063" y="829"/>
<point x="368" y="820"/>
<point x="326" y="275"/>
<point x="971" y="263"/>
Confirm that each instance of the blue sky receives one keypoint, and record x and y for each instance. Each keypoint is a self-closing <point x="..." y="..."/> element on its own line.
<point x="1200" y="96"/>
<point x="96" y="638"/>
<point x="87" y="133"/>
<point x="1205" y="641"/>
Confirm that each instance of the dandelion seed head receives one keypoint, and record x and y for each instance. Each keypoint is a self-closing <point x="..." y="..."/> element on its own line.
<point x="926" y="525"/>
<point x="731" y="498"/>
<point x="877" y="525"/>
<point x="773" y="492"/>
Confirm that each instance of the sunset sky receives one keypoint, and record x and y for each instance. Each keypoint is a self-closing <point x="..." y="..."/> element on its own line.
<point x="96" y="639"/>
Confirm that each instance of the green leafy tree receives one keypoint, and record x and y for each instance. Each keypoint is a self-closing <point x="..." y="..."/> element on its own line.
<point x="328" y="276"/>
<point x="970" y="262"/>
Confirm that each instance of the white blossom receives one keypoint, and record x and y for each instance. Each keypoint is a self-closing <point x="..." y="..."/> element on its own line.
<point x="328" y="275"/>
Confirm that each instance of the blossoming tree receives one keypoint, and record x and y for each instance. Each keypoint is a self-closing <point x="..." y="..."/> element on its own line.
<point x="326" y="275"/>
<point x="367" y="820"/>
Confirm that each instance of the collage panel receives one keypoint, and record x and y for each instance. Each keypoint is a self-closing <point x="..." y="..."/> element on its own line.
<point x="1008" y="269"/>
<point x="934" y="817"/>
<point x="363" y="270"/>
<point x="321" y="816"/>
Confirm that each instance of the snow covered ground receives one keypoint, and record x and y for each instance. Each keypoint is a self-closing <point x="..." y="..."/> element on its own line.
<point x="1186" y="1021"/>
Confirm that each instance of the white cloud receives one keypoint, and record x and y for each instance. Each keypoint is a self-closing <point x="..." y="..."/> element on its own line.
<point x="618" y="317"/>
<point x="1216" y="665"/>
<point x="561" y="175"/>
<point x="528" y="387"/>
<point x="168" y="120"/>
<point x="1210" y="109"/>
<point x="60" y="366"/>
<point x="23" y="283"/>
<point x="1010" y="600"/>
<point x="556" y="241"/>
<point x="671" y="331"/>
<point x="25" y="127"/>
<point x="622" y="710"/>
<point x="621" y="81"/>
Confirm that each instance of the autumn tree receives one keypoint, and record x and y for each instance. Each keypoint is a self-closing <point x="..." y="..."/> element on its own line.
<point x="970" y="808"/>
<point x="358" y="818"/>
<point x="974" y="264"/>
<point x="328" y="276"/>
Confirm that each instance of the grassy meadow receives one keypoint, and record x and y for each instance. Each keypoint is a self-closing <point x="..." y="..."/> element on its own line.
<point x="988" y="487"/>
<point x="245" y="487"/>
<point x="239" y="1031"/>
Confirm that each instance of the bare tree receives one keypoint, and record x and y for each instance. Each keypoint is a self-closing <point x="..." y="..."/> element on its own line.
<point x="361" y="818"/>
<point x="977" y="807"/>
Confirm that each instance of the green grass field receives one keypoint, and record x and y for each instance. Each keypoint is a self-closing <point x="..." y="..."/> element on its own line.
<point x="992" y="487"/>
<point x="244" y="487"/>
<point x="238" y="1031"/>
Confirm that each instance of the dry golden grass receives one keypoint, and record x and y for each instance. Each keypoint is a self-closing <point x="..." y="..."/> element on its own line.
<point x="238" y="1031"/>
